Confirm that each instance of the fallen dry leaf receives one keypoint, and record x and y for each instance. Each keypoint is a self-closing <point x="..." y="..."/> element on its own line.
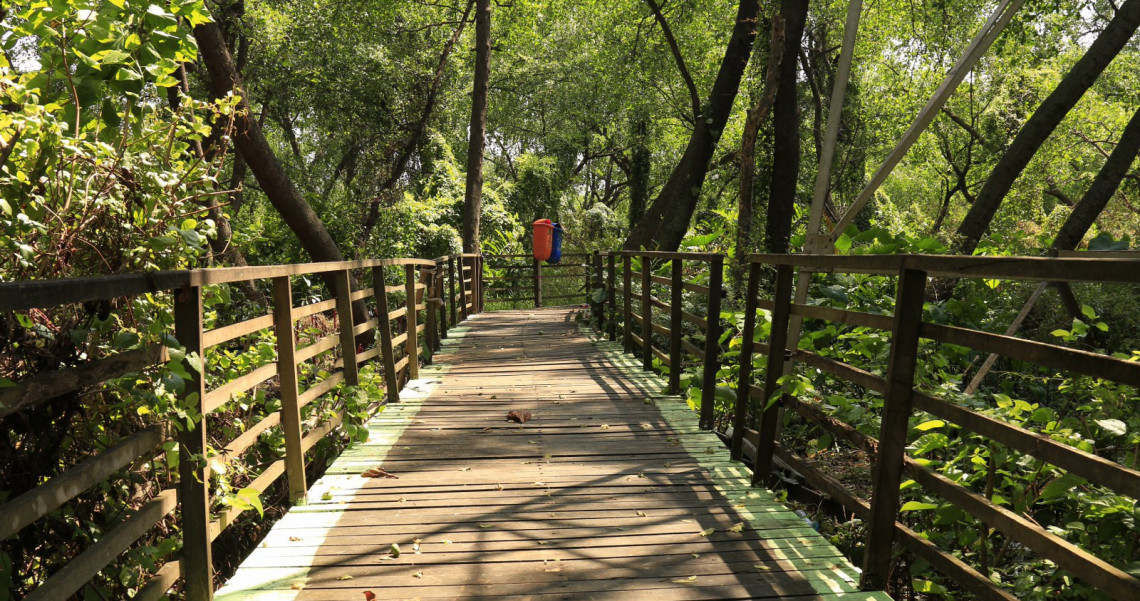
<point x="418" y="575"/>
<point x="369" y="596"/>
<point x="377" y="472"/>
<point x="294" y="539"/>
<point x="737" y="528"/>
<point x="707" y="531"/>
<point x="345" y="577"/>
<point x="519" y="416"/>
<point x="298" y="586"/>
<point x="685" y="580"/>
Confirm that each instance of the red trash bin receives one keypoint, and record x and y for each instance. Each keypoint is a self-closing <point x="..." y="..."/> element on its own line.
<point x="543" y="238"/>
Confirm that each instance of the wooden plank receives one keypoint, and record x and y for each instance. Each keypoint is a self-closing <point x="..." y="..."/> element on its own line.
<point x="242" y="328"/>
<point x="47" y="385"/>
<point x="222" y="394"/>
<point x="287" y="359"/>
<point x="711" y="363"/>
<point x="45" y="498"/>
<point x="897" y="408"/>
<point x="343" y="284"/>
<point x="193" y="478"/>
<point x="313" y="308"/>
<point x="80" y="570"/>
<point x="1049" y="355"/>
<point x="411" y="346"/>
<point x="386" y="345"/>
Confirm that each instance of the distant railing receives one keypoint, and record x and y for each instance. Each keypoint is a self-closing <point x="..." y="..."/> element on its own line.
<point x="755" y="419"/>
<point x="405" y="338"/>
<point x="515" y="281"/>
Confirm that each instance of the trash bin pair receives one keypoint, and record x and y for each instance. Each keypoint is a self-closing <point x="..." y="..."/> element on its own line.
<point x="547" y="241"/>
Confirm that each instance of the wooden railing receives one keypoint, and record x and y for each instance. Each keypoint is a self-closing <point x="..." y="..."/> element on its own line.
<point x="640" y="328"/>
<point x="901" y="399"/>
<point x="518" y="281"/>
<point x="755" y="419"/>
<point x="408" y="330"/>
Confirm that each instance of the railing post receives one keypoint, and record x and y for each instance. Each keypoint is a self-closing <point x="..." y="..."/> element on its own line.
<point x="287" y="377"/>
<point x="744" y="383"/>
<point x="586" y="286"/>
<point x="464" y="286"/>
<point x="427" y="276"/>
<point x="344" y="318"/>
<point x="712" y="343"/>
<point x="646" y="313"/>
<point x="451" y="283"/>
<point x="387" y="353"/>
<point x="440" y="277"/>
<point x="627" y="302"/>
<point x="778" y="354"/>
<point x="193" y="491"/>
<point x="411" y="345"/>
<point x="537" y="283"/>
<point x="599" y="308"/>
<point x="676" y="298"/>
<point x="611" y="296"/>
<point x="897" y="406"/>
<point x="479" y="283"/>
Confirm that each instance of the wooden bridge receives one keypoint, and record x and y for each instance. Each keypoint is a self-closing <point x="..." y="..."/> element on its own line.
<point x="608" y="484"/>
<point x="609" y="491"/>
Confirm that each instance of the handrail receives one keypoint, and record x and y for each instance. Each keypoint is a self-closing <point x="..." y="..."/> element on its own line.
<point x="906" y="328"/>
<point x="419" y="308"/>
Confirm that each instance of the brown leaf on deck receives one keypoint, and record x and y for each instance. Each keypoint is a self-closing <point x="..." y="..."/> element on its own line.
<point x="519" y="416"/>
<point x="378" y="473"/>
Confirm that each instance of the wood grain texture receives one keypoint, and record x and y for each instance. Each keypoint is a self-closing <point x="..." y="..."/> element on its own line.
<point x="611" y="491"/>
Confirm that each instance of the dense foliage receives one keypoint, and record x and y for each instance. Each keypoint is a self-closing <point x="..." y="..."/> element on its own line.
<point x="115" y="157"/>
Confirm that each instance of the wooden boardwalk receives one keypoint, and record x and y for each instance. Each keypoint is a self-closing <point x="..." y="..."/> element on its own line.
<point x="609" y="492"/>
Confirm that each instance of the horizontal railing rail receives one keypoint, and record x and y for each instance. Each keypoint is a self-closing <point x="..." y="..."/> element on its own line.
<point x="902" y="399"/>
<point x="399" y="334"/>
<point x="637" y="288"/>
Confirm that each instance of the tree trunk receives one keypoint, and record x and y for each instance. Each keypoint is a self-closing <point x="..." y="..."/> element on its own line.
<point x="259" y="157"/>
<point x="1101" y="190"/>
<point x="756" y="116"/>
<point x="473" y="197"/>
<point x="786" y="134"/>
<point x="667" y="220"/>
<point x="417" y="136"/>
<point x="1042" y="123"/>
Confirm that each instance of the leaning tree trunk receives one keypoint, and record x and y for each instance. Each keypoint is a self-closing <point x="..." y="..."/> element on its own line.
<point x="1044" y="120"/>
<point x="260" y="159"/>
<point x="473" y="197"/>
<point x="785" y="134"/>
<point x="1105" y="184"/>
<point x="667" y="220"/>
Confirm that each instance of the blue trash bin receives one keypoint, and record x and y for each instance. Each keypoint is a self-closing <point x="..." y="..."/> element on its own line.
<point x="556" y="246"/>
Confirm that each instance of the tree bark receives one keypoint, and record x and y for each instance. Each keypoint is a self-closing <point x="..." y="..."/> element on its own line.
<point x="786" y="135"/>
<point x="667" y="220"/>
<point x="1102" y="189"/>
<point x="756" y="116"/>
<point x="1042" y="123"/>
<point x="250" y="140"/>
<point x="473" y="197"/>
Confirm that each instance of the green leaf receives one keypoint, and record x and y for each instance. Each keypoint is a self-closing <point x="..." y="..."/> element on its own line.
<point x="1114" y="427"/>
<point x="1061" y="486"/>
<point x="917" y="506"/>
<point x="930" y="425"/>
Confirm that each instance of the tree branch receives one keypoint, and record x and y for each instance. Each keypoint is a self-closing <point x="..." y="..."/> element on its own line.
<point x="694" y="96"/>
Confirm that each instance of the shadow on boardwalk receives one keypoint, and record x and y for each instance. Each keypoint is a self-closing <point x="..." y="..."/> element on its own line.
<point x="610" y="492"/>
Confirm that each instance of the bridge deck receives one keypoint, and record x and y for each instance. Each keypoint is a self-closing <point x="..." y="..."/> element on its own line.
<point x="609" y="492"/>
